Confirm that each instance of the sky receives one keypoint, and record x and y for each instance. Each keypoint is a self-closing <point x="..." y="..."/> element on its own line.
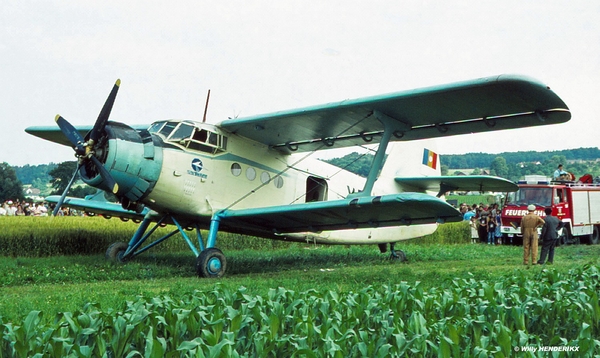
<point x="63" y="57"/>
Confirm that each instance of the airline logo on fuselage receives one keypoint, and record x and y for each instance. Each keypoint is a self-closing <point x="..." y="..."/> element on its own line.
<point x="197" y="167"/>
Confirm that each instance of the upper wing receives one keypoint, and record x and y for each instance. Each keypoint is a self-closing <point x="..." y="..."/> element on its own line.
<point x="54" y="134"/>
<point x="360" y="212"/>
<point x="444" y="184"/>
<point x="481" y="105"/>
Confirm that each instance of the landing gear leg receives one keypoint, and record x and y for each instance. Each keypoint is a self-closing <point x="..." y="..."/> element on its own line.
<point x="397" y="255"/>
<point x="211" y="262"/>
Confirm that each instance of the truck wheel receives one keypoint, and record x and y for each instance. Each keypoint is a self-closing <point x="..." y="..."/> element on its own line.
<point x="565" y="238"/>
<point x="595" y="236"/>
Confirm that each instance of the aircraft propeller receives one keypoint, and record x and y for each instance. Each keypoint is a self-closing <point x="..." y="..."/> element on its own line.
<point x="86" y="150"/>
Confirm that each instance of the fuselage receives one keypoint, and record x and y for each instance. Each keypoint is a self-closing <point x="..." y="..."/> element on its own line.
<point x="192" y="170"/>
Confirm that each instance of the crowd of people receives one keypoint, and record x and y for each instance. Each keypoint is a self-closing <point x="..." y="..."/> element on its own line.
<point x="18" y="208"/>
<point x="30" y="208"/>
<point x="484" y="221"/>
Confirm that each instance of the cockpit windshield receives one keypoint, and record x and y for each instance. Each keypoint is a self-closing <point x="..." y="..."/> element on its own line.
<point x="526" y="196"/>
<point x="190" y="135"/>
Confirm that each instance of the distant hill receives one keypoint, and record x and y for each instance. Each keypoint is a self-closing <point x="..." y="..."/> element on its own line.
<point x="516" y="164"/>
<point x="483" y="160"/>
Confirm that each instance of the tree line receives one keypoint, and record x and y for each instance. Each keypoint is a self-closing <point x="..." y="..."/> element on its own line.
<point x="510" y="165"/>
<point x="51" y="179"/>
<point x="484" y="160"/>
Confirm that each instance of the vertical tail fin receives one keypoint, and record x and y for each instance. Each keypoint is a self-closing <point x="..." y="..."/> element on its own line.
<point x="408" y="160"/>
<point x="412" y="159"/>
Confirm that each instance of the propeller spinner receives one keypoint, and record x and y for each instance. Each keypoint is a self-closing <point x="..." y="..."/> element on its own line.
<point x="87" y="149"/>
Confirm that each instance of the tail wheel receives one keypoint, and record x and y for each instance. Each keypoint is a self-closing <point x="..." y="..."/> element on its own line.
<point x="211" y="263"/>
<point x="398" y="255"/>
<point x="595" y="236"/>
<point x="116" y="251"/>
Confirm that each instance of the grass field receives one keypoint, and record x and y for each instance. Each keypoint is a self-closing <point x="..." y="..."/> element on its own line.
<point x="480" y="290"/>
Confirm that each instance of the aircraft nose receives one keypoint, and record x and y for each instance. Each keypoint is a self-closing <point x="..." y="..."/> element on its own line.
<point x="133" y="160"/>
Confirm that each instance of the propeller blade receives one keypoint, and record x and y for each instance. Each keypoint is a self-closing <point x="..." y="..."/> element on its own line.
<point x="64" y="194"/>
<point x="108" y="179"/>
<point x="96" y="132"/>
<point x="71" y="133"/>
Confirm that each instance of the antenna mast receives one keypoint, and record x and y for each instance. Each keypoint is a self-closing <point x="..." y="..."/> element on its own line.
<point x="206" y="107"/>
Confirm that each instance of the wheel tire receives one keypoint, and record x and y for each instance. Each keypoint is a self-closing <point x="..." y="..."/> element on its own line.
<point x="211" y="263"/>
<point x="399" y="256"/>
<point x="595" y="236"/>
<point x="115" y="252"/>
<point x="565" y="238"/>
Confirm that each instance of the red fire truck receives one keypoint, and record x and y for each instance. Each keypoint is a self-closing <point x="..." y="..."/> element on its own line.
<point x="576" y="204"/>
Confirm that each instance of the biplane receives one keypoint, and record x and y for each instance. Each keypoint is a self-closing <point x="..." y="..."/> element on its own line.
<point x="256" y="175"/>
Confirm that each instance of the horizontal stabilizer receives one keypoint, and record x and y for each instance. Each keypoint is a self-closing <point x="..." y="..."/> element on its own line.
<point x="361" y="212"/>
<point x="443" y="184"/>
<point x="54" y="134"/>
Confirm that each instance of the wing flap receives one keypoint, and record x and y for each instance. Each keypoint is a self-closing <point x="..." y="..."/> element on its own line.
<point x="362" y="212"/>
<point x="487" y="104"/>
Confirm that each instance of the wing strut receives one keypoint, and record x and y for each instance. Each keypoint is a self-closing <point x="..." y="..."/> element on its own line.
<point x="377" y="163"/>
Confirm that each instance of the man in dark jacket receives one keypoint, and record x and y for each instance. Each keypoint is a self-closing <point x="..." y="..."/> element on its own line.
<point x="549" y="236"/>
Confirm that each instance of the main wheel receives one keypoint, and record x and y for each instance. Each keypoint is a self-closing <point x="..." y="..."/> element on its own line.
<point x="116" y="251"/>
<point x="211" y="263"/>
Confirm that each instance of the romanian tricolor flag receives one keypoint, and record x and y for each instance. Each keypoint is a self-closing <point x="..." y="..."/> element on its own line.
<point x="430" y="158"/>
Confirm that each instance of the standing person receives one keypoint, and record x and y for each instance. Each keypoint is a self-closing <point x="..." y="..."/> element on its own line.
<point x="498" y="233"/>
<point x="482" y="216"/>
<point x="491" y="229"/>
<point x="549" y="237"/>
<point x="474" y="234"/>
<point x="529" y="225"/>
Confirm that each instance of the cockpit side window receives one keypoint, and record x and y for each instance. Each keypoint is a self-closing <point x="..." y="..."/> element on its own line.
<point x="207" y="141"/>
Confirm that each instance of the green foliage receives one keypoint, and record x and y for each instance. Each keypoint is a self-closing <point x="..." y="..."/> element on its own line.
<point x="30" y="236"/>
<point x="61" y="176"/>
<point x="37" y="175"/>
<point x="446" y="234"/>
<point x="515" y="166"/>
<point x="10" y="187"/>
<point x="463" y="317"/>
<point x="354" y="162"/>
<point x="483" y="160"/>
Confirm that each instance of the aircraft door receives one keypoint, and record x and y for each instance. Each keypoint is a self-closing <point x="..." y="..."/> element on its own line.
<point x="316" y="189"/>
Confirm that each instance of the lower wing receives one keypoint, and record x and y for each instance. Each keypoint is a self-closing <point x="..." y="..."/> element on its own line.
<point x="361" y="212"/>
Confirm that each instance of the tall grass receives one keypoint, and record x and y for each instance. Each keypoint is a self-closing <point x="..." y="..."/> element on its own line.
<point x="51" y="236"/>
